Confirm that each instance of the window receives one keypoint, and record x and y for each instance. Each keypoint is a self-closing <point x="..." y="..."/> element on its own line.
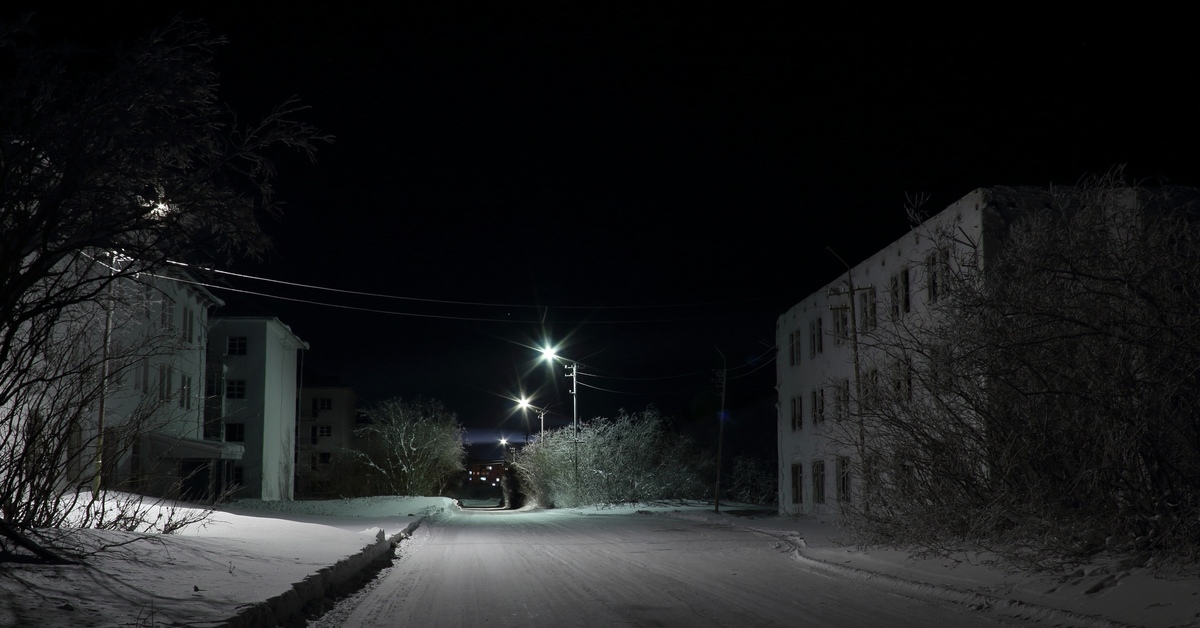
<point x="164" y="382"/>
<point x="325" y="457"/>
<point x="901" y="298"/>
<point x="236" y="345"/>
<point x="936" y="267"/>
<point x="815" y="341"/>
<point x="904" y="380"/>
<point x="321" y="403"/>
<point x="185" y="392"/>
<point x="797" y="483"/>
<point x="797" y="413"/>
<point x="235" y="389"/>
<point x="235" y="432"/>
<point x="323" y="431"/>
<point x="141" y="376"/>
<point x="843" y="480"/>
<point x="818" y="406"/>
<point x="148" y="302"/>
<point x="818" y="482"/>
<point x="842" y="399"/>
<point x="870" y="390"/>
<point x="794" y="347"/>
<point x="841" y="324"/>
<point x="167" y="314"/>
<point x="188" y="326"/>
<point x="866" y="309"/>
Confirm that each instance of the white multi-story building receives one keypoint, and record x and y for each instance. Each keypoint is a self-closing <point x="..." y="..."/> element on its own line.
<point x="150" y="417"/>
<point x="258" y="381"/>
<point x="821" y="366"/>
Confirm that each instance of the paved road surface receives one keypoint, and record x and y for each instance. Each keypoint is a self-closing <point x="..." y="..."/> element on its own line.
<point x="506" y="568"/>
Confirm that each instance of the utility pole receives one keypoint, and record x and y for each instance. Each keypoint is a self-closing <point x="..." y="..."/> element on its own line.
<point x="573" y="371"/>
<point x="721" y="379"/>
<point x="104" y="374"/>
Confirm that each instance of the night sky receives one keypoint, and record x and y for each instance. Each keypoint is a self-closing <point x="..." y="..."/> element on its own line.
<point x="648" y="184"/>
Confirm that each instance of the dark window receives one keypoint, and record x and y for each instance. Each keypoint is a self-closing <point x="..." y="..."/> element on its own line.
<point x="818" y="482"/>
<point x="321" y="403"/>
<point x="866" y="307"/>
<point x="235" y="389"/>
<point x="843" y="480"/>
<point x="185" y="392"/>
<point x="842" y="401"/>
<point x="235" y="432"/>
<point x="236" y="346"/>
<point x="797" y="483"/>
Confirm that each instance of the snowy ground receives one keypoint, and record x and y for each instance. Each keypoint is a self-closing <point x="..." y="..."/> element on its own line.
<point x="251" y="552"/>
<point x="207" y="573"/>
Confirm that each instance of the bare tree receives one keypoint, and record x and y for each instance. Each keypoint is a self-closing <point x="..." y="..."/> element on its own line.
<point x="110" y="168"/>
<point x="411" y="448"/>
<point x="1047" y="404"/>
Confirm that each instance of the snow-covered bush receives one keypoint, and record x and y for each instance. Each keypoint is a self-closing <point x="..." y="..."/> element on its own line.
<point x="630" y="458"/>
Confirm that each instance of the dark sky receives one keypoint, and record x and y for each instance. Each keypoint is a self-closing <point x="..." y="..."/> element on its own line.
<point x="654" y="181"/>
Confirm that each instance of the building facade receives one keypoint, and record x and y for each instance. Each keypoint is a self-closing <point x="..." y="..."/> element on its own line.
<point x="149" y="424"/>
<point x="328" y="418"/>
<point x="823" y="370"/>
<point x="255" y="375"/>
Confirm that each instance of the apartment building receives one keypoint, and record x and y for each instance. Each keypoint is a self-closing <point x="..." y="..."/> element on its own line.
<point x="256" y="376"/>
<point x="824" y="372"/>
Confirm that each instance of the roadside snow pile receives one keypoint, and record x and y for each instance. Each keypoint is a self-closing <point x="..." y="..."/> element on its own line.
<point x="381" y="506"/>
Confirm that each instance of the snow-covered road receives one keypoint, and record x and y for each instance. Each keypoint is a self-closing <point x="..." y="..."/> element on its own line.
<point x="556" y="568"/>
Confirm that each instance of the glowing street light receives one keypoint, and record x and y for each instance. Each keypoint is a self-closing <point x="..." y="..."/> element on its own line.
<point x="523" y="404"/>
<point x="550" y="354"/>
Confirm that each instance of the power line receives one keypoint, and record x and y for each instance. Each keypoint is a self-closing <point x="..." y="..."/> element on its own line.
<point x="479" y="319"/>
<point x="449" y="301"/>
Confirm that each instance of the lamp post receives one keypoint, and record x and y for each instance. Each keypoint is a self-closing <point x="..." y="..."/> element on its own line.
<point x="524" y="404"/>
<point x="550" y="354"/>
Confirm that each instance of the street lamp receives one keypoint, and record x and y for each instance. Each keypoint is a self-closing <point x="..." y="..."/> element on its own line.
<point x="550" y="354"/>
<point x="523" y="404"/>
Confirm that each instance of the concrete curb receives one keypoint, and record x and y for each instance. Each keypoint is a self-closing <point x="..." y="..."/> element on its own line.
<point x="278" y="610"/>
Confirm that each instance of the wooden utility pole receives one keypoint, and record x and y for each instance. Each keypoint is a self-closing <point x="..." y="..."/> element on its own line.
<point x="721" y="378"/>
